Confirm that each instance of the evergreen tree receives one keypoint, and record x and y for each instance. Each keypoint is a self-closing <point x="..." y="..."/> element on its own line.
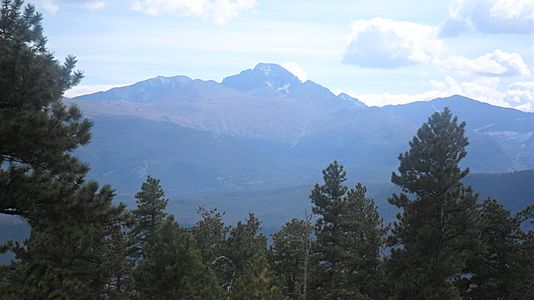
<point x="149" y="213"/>
<point x="328" y="205"/>
<point x="349" y="237"/>
<point x="438" y="230"/>
<point x="120" y="262"/>
<point x="172" y="267"/>
<point x="257" y="282"/>
<point x="289" y="254"/>
<point x="244" y="242"/>
<point x="496" y="272"/>
<point x="37" y="132"/>
<point x="68" y="258"/>
<point x="364" y="237"/>
<point x="210" y="234"/>
<point x="523" y="287"/>
<point x="67" y="254"/>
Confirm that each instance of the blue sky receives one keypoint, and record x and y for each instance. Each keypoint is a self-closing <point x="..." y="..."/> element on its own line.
<point x="381" y="52"/>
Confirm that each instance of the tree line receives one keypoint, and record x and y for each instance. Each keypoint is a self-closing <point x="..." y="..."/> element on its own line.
<point x="444" y="244"/>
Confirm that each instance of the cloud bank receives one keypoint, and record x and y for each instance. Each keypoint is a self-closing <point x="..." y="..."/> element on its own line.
<point x="388" y="44"/>
<point x="384" y="43"/>
<point x="296" y="70"/>
<point x="53" y="6"/>
<point x="218" y="11"/>
<point x="489" y="16"/>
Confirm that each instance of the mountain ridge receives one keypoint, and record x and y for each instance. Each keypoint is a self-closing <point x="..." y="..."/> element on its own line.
<point x="202" y="137"/>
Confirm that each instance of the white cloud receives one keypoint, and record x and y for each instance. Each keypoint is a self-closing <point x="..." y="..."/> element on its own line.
<point x="53" y="6"/>
<point x="497" y="62"/>
<point x="96" y="5"/>
<point x="296" y="70"/>
<point x="89" y="89"/>
<point x="218" y="11"/>
<point x="449" y="86"/>
<point x="384" y="43"/>
<point x="50" y="6"/>
<point x="513" y="9"/>
<point x="519" y="95"/>
<point x="489" y="16"/>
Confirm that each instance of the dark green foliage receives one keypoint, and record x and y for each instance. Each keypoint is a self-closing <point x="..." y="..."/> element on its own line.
<point x="524" y="286"/>
<point x="172" y="267"/>
<point x="437" y="231"/>
<point x="289" y="252"/>
<point x="365" y="239"/>
<point x="257" y="282"/>
<point x="69" y="257"/>
<point x="244" y="241"/>
<point x="349" y="237"/>
<point x="210" y="234"/>
<point x="237" y="255"/>
<point x="37" y="132"/>
<point x="120" y="262"/>
<point x="496" y="272"/>
<point x="69" y="253"/>
<point x="504" y="271"/>
<point x="149" y="213"/>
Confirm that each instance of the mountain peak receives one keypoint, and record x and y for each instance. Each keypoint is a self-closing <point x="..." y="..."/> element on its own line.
<point x="264" y="75"/>
<point x="270" y="70"/>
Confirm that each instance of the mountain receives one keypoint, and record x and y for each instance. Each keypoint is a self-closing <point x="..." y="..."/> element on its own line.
<point x="246" y="105"/>
<point x="265" y="130"/>
<point x="496" y="133"/>
<point x="143" y="91"/>
<point x="263" y="76"/>
<point x="515" y="190"/>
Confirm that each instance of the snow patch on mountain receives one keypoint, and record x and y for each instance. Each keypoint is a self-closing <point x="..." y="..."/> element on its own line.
<point x="284" y="88"/>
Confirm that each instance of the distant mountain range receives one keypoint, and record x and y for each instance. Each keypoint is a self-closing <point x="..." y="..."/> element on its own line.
<point x="263" y="130"/>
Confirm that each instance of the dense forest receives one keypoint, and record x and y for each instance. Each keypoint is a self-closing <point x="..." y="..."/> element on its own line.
<point x="445" y="244"/>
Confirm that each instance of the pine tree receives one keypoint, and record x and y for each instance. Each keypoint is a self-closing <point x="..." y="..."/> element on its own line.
<point x="349" y="237"/>
<point x="438" y="230"/>
<point x="210" y="234"/>
<point x="66" y="255"/>
<point x="68" y="258"/>
<point x="244" y="242"/>
<point x="172" y="267"/>
<point x="120" y="260"/>
<point x="328" y="205"/>
<point x="523" y="287"/>
<point x="149" y="213"/>
<point x="289" y="254"/>
<point x="364" y="237"/>
<point x="257" y="282"/>
<point x="496" y="271"/>
<point x="37" y="132"/>
<point x="505" y="269"/>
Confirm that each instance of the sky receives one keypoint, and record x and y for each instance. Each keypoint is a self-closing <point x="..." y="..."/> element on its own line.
<point x="379" y="51"/>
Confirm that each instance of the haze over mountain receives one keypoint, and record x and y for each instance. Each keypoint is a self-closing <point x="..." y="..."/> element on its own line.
<point x="263" y="129"/>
